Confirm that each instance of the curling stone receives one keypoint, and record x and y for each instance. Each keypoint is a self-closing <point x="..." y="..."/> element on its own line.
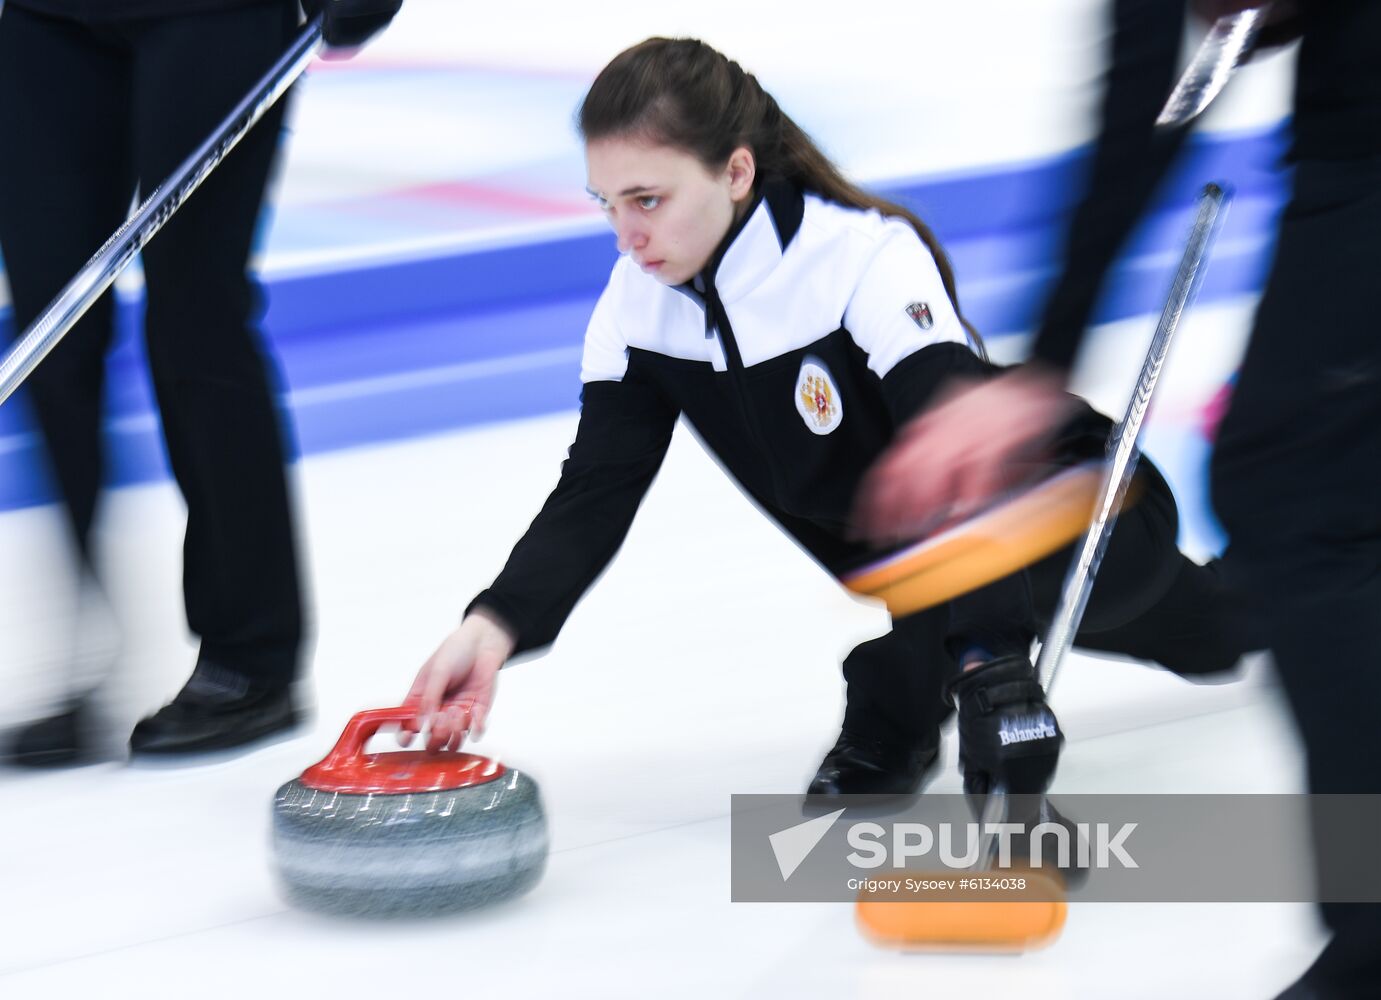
<point x="406" y="832"/>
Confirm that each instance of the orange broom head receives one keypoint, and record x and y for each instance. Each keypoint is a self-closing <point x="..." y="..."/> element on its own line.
<point x="933" y="913"/>
<point x="994" y="544"/>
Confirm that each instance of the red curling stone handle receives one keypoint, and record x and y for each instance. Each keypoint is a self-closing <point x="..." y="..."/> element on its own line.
<point x="361" y="729"/>
<point x="347" y="768"/>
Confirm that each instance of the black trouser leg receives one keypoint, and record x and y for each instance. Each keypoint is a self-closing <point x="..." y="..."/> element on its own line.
<point x="65" y="185"/>
<point x="1149" y="601"/>
<point x="1297" y="484"/>
<point x="894" y="681"/>
<point x="220" y="418"/>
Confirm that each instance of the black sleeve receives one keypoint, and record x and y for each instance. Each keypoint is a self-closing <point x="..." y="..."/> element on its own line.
<point x="1130" y="158"/>
<point x="625" y="428"/>
<point x="908" y="388"/>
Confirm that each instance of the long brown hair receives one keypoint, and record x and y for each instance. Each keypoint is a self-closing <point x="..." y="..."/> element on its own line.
<point x="682" y="93"/>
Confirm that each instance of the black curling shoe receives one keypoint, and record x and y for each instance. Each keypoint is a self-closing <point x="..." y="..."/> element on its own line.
<point x="858" y="765"/>
<point x="216" y="710"/>
<point x="62" y="740"/>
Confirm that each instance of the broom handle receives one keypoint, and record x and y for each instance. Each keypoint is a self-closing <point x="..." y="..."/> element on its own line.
<point x="1124" y="448"/>
<point x="78" y="295"/>
<point x="1123" y="451"/>
<point x="1228" y="42"/>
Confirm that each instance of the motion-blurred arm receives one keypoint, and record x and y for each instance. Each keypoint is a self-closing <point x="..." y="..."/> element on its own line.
<point x="971" y="444"/>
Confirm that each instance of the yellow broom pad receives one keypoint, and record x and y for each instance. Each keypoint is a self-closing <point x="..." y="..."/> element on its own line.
<point x="994" y="544"/>
<point x="987" y="920"/>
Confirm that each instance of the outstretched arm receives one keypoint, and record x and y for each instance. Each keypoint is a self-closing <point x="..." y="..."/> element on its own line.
<point x="625" y="428"/>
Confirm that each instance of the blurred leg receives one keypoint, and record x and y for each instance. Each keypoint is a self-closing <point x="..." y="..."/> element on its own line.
<point x="66" y="181"/>
<point x="1297" y="483"/>
<point x="65" y="185"/>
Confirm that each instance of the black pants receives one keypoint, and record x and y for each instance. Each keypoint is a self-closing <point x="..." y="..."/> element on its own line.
<point x="89" y="113"/>
<point x="1148" y="601"/>
<point x="1296" y="480"/>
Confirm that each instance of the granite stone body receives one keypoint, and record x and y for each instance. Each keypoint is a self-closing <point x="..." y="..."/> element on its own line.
<point x="409" y="854"/>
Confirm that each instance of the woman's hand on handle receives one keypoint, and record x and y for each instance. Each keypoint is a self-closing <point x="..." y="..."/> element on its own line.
<point x="454" y="689"/>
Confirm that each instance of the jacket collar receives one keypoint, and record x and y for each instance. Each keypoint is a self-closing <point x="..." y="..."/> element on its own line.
<point x="755" y="243"/>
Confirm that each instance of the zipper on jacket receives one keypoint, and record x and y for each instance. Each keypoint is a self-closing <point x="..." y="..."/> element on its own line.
<point x="717" y="318"/>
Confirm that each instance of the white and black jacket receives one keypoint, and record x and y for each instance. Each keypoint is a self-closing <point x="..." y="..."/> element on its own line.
<point x="815" y="331"/>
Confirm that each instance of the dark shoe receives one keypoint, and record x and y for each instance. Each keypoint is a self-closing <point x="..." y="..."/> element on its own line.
<point x="62" y="740"/>
<point x="861" y="766"/>
<point x="216" y="710"/>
